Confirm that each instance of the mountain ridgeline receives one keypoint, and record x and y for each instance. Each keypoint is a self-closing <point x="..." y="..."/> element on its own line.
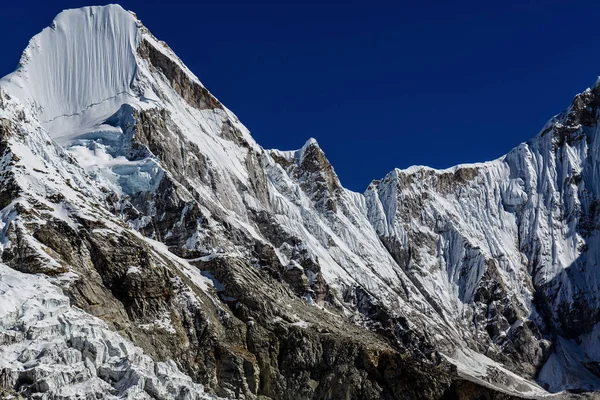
<point x="150" y="248"/>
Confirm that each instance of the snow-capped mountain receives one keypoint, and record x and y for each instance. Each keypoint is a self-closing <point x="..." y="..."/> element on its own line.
<point x="152" y="249"/>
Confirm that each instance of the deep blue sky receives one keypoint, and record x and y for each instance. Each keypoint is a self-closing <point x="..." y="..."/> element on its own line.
<point x="378" y="84"/>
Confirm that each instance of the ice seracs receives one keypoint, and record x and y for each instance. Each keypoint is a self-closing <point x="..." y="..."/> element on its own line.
<point x="62" y="350"/>
<point x="129" y="183"/>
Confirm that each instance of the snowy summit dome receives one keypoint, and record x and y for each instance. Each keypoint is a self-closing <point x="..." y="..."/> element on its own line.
<point x="85" y="58"/>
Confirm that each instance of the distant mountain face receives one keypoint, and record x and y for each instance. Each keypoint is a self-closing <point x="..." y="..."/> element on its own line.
<point x="152" y="249"/>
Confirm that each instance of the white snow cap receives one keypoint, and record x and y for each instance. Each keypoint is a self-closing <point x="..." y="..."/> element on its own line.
<point x="310" y="142"/>
<point x="85" y="58"/>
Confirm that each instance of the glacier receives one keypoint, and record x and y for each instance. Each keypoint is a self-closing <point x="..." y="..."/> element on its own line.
<point x="65" y="351"/>
<point x="140" y="203"/>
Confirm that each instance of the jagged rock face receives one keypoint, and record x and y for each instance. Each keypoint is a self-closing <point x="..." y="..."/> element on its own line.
<point x="514" y="239"/>
<point x="191" y="91"/>
<point x="448" y="230"/>
<point x="141" y="201"/>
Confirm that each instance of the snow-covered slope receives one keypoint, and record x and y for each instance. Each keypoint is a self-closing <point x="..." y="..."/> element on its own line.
<point x="86" y="59"/>
<point x="509" y="246"/>
<point x="128" y="182"/>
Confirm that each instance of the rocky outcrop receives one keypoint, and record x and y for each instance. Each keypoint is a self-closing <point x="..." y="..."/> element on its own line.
<point x="256" y="274"/>
<point x="195" y="94"/>
<point x="258" y="339"/>
<point x="9" y="189"/>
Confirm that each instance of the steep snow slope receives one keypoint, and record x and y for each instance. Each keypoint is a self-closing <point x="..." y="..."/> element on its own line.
<point x="118" y="139"/>
<point x="164" y="157"/>
<point x="93" y="127"/>
<point x="510" y="247"/>
<point x="86" y="59"/>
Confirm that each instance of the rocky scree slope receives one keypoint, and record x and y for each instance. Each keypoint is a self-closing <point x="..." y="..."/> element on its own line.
<point x="143" y="206"/>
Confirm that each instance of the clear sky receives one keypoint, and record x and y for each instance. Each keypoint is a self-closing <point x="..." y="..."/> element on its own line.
<point x="378" y="84"/>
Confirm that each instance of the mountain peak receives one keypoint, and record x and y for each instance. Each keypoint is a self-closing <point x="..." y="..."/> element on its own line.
<point x="310" y="143"/>
<point x="148" y="202"/>
<point x="79" y="71"/>
<point x="85" y="57"/>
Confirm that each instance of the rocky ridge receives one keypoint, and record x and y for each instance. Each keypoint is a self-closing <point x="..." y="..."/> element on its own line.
<point x="253" y="272"/>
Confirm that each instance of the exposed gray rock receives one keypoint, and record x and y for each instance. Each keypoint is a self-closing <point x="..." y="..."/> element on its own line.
<point x="259" y="276"/>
